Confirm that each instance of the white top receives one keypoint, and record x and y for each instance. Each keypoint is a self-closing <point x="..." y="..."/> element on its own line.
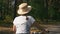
<point x="23" y="25"/>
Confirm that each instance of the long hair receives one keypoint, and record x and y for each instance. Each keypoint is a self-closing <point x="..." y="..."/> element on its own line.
<point x="26" y="17"/>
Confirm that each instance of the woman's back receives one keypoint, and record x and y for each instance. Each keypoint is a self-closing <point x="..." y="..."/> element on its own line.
<point x="23" y="25"/>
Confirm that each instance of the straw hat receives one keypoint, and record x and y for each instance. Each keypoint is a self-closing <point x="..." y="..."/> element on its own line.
<point x="24" y="8"/>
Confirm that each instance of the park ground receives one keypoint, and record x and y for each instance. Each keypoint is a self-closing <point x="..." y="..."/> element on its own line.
<point x="53" y="29"/>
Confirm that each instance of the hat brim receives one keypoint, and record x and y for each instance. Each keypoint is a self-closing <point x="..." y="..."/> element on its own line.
<point x="20" y="11"/>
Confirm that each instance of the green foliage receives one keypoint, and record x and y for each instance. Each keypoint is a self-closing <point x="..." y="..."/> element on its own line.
<point x="8" y="18"/>
<point x="7" y="11"/>
<point x="51" y="12"/>
<point x="54" y="12"/>
<point x="37" y="8"/>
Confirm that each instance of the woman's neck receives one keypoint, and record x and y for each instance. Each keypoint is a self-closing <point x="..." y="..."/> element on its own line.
<point x="23" y="15"/>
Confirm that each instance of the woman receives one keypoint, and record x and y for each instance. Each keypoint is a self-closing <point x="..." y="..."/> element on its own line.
<point x="22" y="23"/>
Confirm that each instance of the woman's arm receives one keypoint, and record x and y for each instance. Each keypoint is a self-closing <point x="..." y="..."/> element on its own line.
<point x="14" y="28"/>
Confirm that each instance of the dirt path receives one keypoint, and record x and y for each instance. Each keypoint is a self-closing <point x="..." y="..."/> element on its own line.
<point x="5" y="30"/>
<point x="53" y="29"/>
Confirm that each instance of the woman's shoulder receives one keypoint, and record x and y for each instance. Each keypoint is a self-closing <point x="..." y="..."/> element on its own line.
<point x="24" y="16"/>
<point x="30" y="16"/>
<point x="17" y="17"/>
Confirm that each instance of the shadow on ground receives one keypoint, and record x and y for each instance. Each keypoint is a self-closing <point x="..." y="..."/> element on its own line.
<point x="6" y="32"/>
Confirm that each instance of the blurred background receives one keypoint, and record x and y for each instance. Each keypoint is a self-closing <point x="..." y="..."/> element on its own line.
<point x="46" y="12"/>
